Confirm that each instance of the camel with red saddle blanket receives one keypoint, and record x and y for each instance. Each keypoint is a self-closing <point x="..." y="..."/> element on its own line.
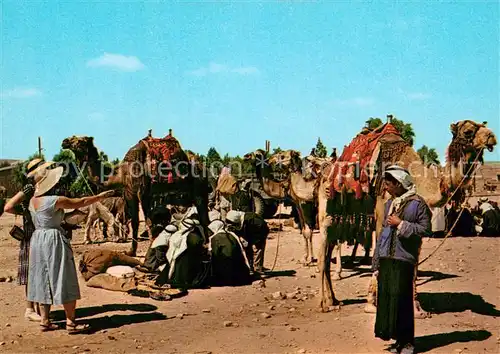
<point x="155" y="171"/>
<point x="347" y="187"/>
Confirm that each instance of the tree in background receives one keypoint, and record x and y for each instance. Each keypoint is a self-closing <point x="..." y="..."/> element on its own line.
<point x="428" y="156"/>
<point x="277" y="150"/>
<point x="320" y="149"/>
<point x="213" y="162"/>
<point x="67" y="159"/>
<point x="103" y="156"/>
<point x="405" y="129"/>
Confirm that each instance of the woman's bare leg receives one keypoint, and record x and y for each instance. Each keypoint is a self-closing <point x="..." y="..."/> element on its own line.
<point x="32" y="310"/>
<point x="45" y="311"/>
<point x="70" y="309"/>
<point x="71" y="326"/>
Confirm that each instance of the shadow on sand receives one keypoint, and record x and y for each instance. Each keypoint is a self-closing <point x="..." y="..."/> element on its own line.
<point x="96" y="310"/>
<point x="433" y="276"/>
<point x="278" y="273"/>
<point x="456" y="302"/>
<point x="113" y="321"/>
<point x="116" y="321"/>
<point x="427" y="343"/>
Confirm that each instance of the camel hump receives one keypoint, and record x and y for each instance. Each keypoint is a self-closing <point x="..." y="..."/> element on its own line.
<point x="351" y="169"/>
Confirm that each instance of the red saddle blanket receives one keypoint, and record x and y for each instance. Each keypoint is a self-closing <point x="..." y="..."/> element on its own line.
<point x="162" y="156"/>
<point x="351" y="169"/>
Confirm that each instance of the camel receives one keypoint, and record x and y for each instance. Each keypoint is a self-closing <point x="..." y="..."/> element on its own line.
<point x="142" y="175"/>
<point x="302" y="196"/>
<point x="340" y="186"/>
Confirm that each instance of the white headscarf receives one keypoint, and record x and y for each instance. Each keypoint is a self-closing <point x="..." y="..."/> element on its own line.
<point x="402" y="176"/>
<point x="485" y="206"/>
<point x="216" y="225"/>
<point x="164" y="236"/>
<point x="235" y="218"/>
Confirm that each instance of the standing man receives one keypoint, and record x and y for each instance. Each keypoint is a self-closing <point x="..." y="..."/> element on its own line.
<point x="254" y="230"/>
<point x="407" y="219"/>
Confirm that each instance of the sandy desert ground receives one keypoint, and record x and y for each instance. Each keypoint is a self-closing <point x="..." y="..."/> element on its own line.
<point x="459" y="285"/>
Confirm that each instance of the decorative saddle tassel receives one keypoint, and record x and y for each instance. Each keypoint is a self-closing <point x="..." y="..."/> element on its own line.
<point x="170" y="178"/>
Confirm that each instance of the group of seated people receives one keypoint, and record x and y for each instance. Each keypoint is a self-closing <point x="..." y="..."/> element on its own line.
<point x="184" y="257"/>
<point x="483" y="220"/>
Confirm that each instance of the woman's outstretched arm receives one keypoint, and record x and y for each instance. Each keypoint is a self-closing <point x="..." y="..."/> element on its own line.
<point x="76" y="203"/>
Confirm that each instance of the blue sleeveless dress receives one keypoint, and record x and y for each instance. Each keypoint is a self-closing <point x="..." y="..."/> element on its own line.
<point x="52" y="272"/>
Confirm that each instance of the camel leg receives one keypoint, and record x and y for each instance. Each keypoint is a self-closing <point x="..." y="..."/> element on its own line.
<point x="370" y="306"/>
<point x="307" y="234"/>
<point x="367" y="245"/>
<point x="309" y="255"/>
<point x="419" y="313"/>
<point x="89" y="225"/>
<point x="327" y="295"/>
<point x="371" y="299"/>
<point x="350" y="262"/>
<point x="145" y="203"/>
<point x="338" y="267"/>
<point x="366" y="257"/>
<point x="311" y="252"/>
<point x="134" y="212"/>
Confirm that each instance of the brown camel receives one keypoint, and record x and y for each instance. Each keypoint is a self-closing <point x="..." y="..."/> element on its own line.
<point x="295" y="187"/>
<point x="304" y="181"/>
<point x="340" y="185"/>
<point x="155" y="171"/>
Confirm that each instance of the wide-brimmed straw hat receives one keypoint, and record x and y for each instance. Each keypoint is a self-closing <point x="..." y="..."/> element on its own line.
<point x="37" y="166"/>
<point x="48" y="180"/>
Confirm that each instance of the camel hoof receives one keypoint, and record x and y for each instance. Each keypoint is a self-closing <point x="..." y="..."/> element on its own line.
<point x="329" y="305"/>
<point x="370" y="308"/>
<point x="336" y="276"/>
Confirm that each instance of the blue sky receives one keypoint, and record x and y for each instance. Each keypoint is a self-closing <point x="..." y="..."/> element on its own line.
<point x="231" y="75"/>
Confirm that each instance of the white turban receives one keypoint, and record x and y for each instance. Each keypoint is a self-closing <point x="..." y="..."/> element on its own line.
<point x="401" y="175"/>
<point x="235" y="218"/>
<point x="216" y="225"/>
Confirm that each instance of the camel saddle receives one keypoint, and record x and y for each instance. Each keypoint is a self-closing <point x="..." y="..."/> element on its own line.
<point x="355" y="170"/>
<point x="161" y="156"/>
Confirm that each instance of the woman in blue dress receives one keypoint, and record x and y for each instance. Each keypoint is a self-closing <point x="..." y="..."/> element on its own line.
<point x="52" y="272"/>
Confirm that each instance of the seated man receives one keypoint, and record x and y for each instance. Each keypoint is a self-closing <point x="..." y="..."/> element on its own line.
<point x="230" y="266"/>
<point x="156" y="254"/>
<point x="254" y="230"/>
<point x="491" y="220"/>
<point x="187" y="266"/>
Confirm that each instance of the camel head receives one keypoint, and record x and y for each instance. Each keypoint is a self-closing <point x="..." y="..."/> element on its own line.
<point x="315" y="166"/>
<point x="258" y="154"/>
<point x="286" y="160"/>
<point x="82" y="146"/>
<point x="470" y="139"/>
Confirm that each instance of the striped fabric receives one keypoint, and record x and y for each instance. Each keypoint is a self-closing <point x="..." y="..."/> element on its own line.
<point x="29" y="228"/>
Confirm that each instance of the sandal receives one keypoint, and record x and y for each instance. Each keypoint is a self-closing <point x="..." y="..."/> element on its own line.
<point x="48" y="327"/>
<point x="77" y="328"/>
